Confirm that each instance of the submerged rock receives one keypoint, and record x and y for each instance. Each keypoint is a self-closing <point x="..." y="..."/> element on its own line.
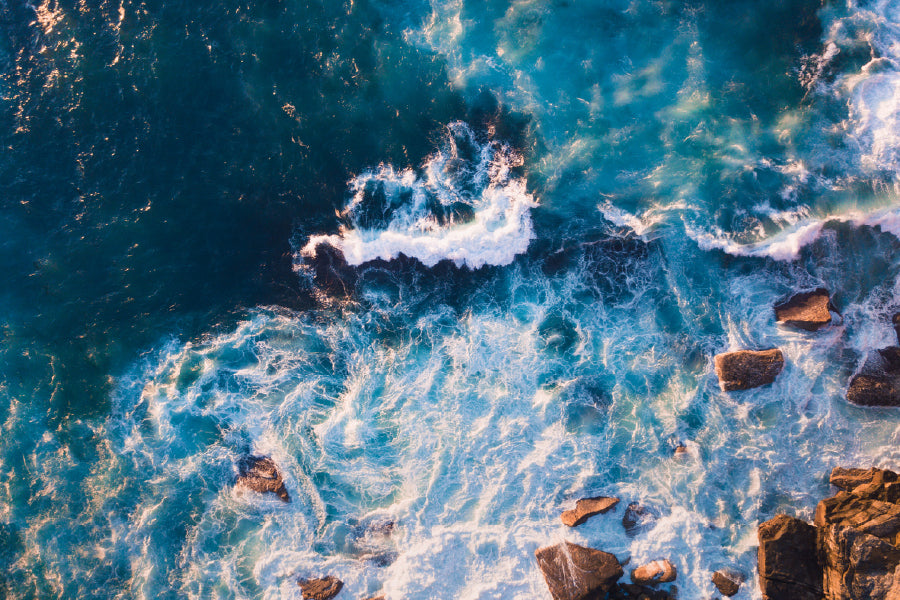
<point x="747" y="369"/>
<point x="633" y="591"/>
<point x="727" y="581"/>
<point x="573" y="572"/>
<point x="787" y="566"/>
<point x="878" y="382"/>
<point x="587" y="508"/>
<point x="658" y="571"/>
<point x="638" y="518"/>
<point x="259" y="474"/>
<point x="325" y="588"/>
<point x="807" y="310"/>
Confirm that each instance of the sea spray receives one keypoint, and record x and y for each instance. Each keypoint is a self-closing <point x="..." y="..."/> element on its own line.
<point x="467" y="206"/>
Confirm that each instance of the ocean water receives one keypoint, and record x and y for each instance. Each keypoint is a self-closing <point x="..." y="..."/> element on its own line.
<point x="453" y="265"/>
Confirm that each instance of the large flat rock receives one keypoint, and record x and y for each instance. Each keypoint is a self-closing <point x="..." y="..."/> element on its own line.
<point x="573" y="572"/>
<point x="587" y="508"/>
<point x="745" y="369"/>
<point x="807" y="310"/>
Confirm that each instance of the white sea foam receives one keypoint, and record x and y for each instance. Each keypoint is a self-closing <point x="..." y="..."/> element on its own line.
<point x="499" y="228"/>
<point x="873" y="92"/>
<point x="787" y="244"/>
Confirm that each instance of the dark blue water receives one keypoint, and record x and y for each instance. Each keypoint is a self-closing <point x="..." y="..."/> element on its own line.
<point x="451" y="264"/>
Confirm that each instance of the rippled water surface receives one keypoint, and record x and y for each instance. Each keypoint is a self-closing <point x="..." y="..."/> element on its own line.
<point x="452" y="265"/>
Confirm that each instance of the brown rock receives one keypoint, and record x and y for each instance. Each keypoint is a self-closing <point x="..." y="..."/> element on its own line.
<point x="808" y="310"/>
<point x="587" y="508"/>
<point x="658" y="571"/>
<point x="866" y="515"/>
<point x="878" y="382"/>
<point x="747" y="369"/>
<point x="858" y="566"/>
<point x="573" y="572"/>
<point x="259" y="474"/>
<point x="728" y="582"/>
<point x="847" y="479"/>
<point x="787" y="566"/>
<point x="325" y="588"/>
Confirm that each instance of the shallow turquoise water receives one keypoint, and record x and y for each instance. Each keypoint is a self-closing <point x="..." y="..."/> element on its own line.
<point x="555" y="214"/>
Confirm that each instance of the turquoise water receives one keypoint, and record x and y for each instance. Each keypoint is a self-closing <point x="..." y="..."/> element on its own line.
<point x="553" y="214"/>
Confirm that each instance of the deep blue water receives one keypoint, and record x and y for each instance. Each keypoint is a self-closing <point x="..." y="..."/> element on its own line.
<point x="452" y="265"/>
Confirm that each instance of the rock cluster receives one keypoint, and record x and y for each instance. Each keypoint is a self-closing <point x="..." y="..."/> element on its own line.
<point x="851" y="551"/>
<point x="259" y="474"/>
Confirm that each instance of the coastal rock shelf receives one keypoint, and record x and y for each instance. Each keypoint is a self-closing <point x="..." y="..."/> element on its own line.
<point x="850" y="553"/>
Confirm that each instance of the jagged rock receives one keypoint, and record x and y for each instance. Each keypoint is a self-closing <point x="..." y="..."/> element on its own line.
<point x="587" y="508"/>
<point x="727" y="581"/>
<point x="681" y="451"/>
<point x="259" y="474"/>
<point x="638" y="518"/>
<point x="787" y="566"/>
<point x="895" y="320"/>
<point x="808" y="310"/>
<point x="573" y="572"/>
<point x="878" y="382"/>
<point x="857" y="565"/>
<point x="325" y="588"/>
<point x="848" y="479"/>
<point x="747" y="369"/>
<point x="866" y="515"/>
<point x="658" y="571"/>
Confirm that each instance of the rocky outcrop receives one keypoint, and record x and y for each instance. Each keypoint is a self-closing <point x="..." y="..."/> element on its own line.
<point x="808" y="310"/>
<point x="727" y="581"/>
<point x="658" y="571"/>
<point x="259" y="474"/>
<point x="573" y="572"/>
<point x="325" y="588"/>
<point x="878" y="382"/>
<point x="851" y="553"/>
<point x="858" y="531"/>
<point x="587" y="508"/>
<point x="747" y="369"/>
<point x="787" y="569"/>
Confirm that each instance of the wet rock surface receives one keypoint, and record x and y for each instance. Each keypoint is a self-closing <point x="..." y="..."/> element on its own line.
<point x="324" y="588"/>
<point x="587" y="508"/>
<point x="745" y="369"/>
<point x="658" y="571"/>
<point x="638" y="518"/>
<point x="727" y="581"/>
<point x="878" y="382"/>
<point x="260" y="474"/>
<point x="807" y="310"/>
<point x="787" y="569"/>
<point x="574" y="572"/>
